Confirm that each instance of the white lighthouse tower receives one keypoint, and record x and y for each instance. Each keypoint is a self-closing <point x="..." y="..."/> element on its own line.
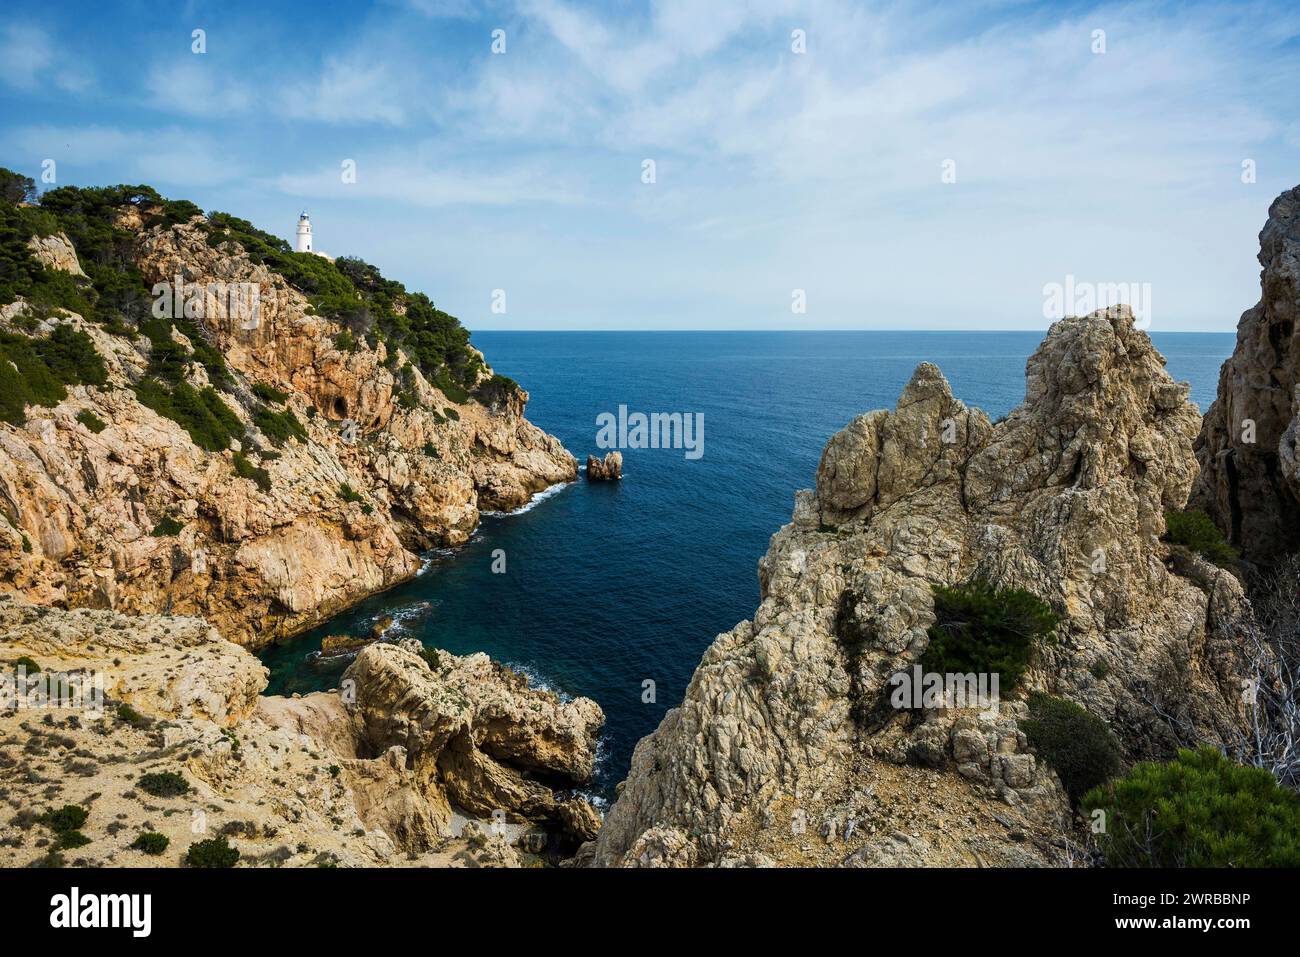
<point x="304" y="234"/>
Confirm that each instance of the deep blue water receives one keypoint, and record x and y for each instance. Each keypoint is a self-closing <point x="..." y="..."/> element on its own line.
<point x="609" y="585"/>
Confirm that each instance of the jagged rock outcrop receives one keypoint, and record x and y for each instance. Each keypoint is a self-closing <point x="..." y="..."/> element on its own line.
<point x="56" y="252"/>
<point x="1249" y="446"/>
<point x="785" y="749"/>
<point x="383" y="473"/>
<point x="610" y="469"/>
<point x="290" y="781"/>
<point x="475" y="734"/>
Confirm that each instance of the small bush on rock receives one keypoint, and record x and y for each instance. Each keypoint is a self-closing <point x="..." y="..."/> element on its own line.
<point x="168" y="526"/>
<point x="70" y="817"/>
<point x="151" y="842"/>
<point x="164" y="784"/>
<point x="214" y="852"/>
<point x="1199" y="810"/>
<point x="1077" y="744"/>
<point x="986" y="630"/>
<point x="1196" y="531"/>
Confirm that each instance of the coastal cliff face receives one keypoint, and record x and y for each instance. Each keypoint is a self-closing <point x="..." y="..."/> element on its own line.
<point x="1249" y="446"/>
<point x="363" y="777"/>
<point x="785" y="749"/>
<point x="109" y="504"/>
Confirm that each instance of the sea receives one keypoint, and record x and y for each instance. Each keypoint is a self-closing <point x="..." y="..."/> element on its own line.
<point x="614" y="590"/>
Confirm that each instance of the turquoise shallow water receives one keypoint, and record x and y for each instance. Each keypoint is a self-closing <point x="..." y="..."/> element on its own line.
<point x="610" y="585"/>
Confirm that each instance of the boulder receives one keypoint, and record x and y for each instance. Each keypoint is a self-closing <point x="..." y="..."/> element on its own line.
<point x="610" y="469"/>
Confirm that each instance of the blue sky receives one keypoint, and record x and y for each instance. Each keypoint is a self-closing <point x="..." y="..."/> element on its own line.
<point x="775" y="171"/>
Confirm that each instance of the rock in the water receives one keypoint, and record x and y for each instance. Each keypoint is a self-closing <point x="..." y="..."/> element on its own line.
<point x="332" y="646"/>
<point x="781" y="751"/>
<point x="608" y="470"/>
<point x="1249" y="446"/>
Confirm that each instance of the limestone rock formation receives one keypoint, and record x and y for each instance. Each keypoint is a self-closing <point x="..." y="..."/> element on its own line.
<point x="475" y="734"/>
<point x="289" y="781"/>
<point x="785" y="749"/>
<point x="269" y="539"/>
<point x="1249" y="446"/>
<point x="609" y="469"/>
<point x="56" y="252"/>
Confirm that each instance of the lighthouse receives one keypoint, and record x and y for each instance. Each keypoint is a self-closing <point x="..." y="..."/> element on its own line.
<point x="304" y="234"/>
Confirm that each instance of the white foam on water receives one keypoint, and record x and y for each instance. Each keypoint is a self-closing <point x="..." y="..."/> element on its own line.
<point x="536" y="500"/>
<point x="538" y="681"/>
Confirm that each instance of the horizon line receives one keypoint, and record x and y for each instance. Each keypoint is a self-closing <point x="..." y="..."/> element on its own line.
<point x="1182" y="332"/>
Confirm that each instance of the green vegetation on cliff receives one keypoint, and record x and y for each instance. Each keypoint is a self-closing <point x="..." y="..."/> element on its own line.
<point x="1199" y="810"/>
<point x="1196" y="531"/>
<point x="1077" y="744"/>
<point x="370" y="308"/>
<point x="986" y="630"/>
<point x="37" y="371"/>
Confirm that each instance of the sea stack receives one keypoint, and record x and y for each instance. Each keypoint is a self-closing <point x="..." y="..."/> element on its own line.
<point x="609" y="470"/>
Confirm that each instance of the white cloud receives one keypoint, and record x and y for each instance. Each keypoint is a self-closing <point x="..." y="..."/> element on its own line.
<point x="28" y="61"/>
<point x="195" y="86"/>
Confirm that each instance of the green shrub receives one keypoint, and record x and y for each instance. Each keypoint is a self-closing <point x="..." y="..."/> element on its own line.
<point x="986" y="630"/>
<point x="1199" y="810"/>
<point x="450" y="388"/>
<point x="246" y="469"/>
<point x="151" y="842"/>
<point x="431" y="658"/>
<point x="66" y="840"/>
<point x="168" y="358"/>
<point x="168" y="526"/>
<point x="1077" y="744"/>
<point x="1196" y="531"/>
<point x="70" y="817"/>
<point x="164" y="784"/>
<point x="451" y="413"/>
<point x="279" y="427"/>
<point x="344" y="342"/>
<point x="128" y="715"/>
<point x="496" y="388"/>
<point x="430" y="450"/>
<point x="30" y="664"/>
<point x="37" y="371"/>
<point x="201" y="412"/>
<point x="348" y="493"/>
<point x="91" y="421"/>
<point x="214" y="852"/>
<point x="269" y="393"/>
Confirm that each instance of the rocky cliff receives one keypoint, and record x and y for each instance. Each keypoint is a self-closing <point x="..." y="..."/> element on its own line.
<point x="1249" y="446"/>
<point x="785" y="749"/>
<point x="335" y="458"/>
<point x="379" y="773"/>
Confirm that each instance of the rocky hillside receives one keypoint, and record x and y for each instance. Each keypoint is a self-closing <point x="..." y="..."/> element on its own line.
<point x="185" y="746"/>
<point x="786" y="749"/>
<point x="1249" y="446"/>
<point x="262" y="473"/>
